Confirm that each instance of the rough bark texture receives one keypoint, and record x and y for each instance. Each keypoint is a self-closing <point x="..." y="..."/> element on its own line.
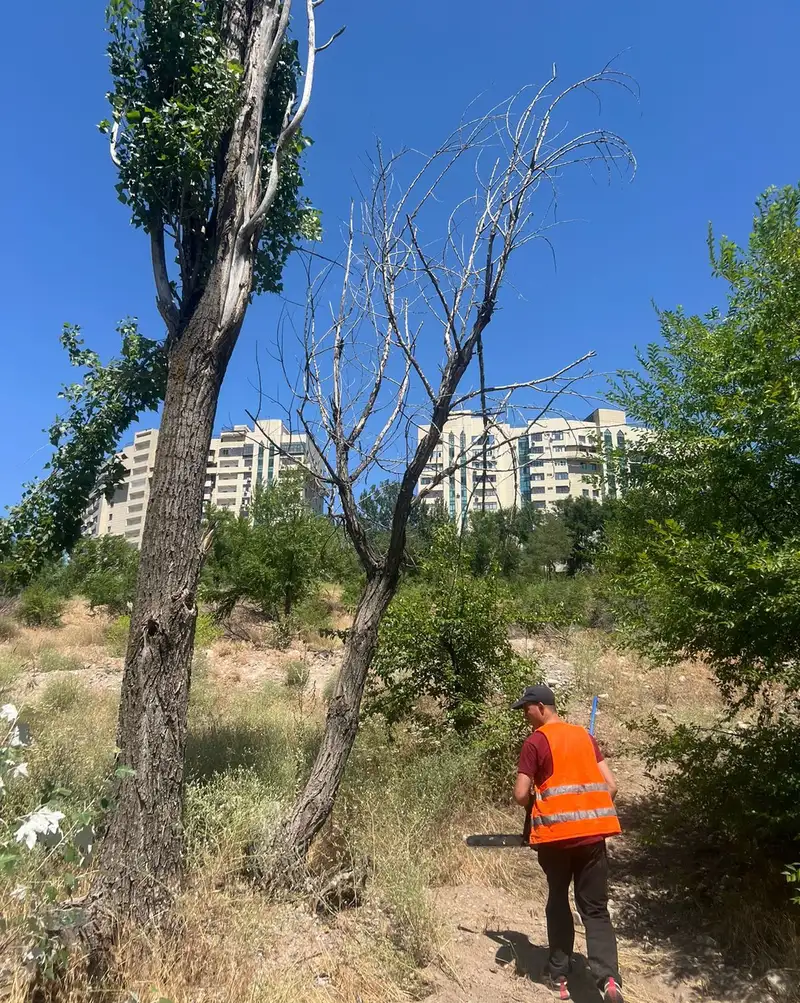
<point x="141" y="854"/>
<point x="315" y="804"/>
<point x="142" y="851"/>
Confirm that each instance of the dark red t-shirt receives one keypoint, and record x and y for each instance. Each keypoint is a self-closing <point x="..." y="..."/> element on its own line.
<point x="536" y="761"/>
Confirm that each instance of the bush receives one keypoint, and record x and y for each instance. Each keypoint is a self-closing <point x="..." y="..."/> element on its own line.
<point x="51" y="660"/>
<point x="206" y="631"/>
<point x="313" y="613"/>
<point x="8" y="629"/>
<point x="117" y="635"/>
<point x="39" y="606"/>
<point x="739" y="786"/>
<point x="297" y="675"/>
<point x="104" y="571"/>
<point x="444" y="638"/>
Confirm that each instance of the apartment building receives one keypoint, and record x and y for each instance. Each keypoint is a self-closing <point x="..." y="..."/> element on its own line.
<point x="540" y="463"/>
<point x="238" y="459"/>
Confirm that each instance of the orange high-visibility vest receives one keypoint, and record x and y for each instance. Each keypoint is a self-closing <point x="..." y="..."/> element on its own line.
<point x="575" y="801"/>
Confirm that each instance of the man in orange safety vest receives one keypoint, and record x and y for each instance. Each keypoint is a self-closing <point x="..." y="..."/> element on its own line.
<point x="565" y="782"/>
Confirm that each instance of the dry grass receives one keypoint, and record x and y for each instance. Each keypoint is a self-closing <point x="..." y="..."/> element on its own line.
<point x="401" y="818"/>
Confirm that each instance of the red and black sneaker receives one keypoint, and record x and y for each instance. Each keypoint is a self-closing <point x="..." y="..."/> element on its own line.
<point x="612" y="992"/>
<point x="558" y="984"/>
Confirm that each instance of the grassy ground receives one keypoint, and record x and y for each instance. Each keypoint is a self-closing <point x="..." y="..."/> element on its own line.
<point x="427" y="917"/>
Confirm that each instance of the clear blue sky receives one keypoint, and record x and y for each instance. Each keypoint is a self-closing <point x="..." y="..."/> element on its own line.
<point x="716" y="124"/>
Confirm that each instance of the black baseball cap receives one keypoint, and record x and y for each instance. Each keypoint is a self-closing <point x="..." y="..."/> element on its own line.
<point x="535" y="694"/>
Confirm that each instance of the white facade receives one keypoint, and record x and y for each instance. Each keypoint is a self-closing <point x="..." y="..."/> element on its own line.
<point x="540" y="464"/>
<point x="238" y="459"/>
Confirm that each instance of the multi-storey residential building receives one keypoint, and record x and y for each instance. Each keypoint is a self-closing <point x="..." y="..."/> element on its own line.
<point x="539" y="464"/>
<point x="238" y="459"/>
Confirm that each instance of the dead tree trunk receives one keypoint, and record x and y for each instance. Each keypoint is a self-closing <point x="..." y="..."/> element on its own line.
<point x="315" y="804"/>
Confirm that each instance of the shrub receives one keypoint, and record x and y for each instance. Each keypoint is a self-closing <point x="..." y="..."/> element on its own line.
<point x="117" y="635"/>
<point x="39" y="606"/>
<point x="51" y="660"/>
<point x="8" y="629"/>
<point x="104" y="571"/>
<point x="207" y="631"/>
<point x="313" y="613"/>
<point x="10" y="668"/>
<point x="444" y="638"/>
<point x="297" y="675"/>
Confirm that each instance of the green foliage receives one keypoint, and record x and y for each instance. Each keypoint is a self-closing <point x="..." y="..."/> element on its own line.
<point x="558" y="603"/>
<point x="547" y="545"/>
<point x="705" y="549"/>
<point x="584" y="520"/>
<point x="494" y="542"/>
<point x="445" y="638"/>
<point x="297" y="675"/>
<point x="175" y="96"/>
<point x="39" y="606"/>
<point x="103" y="570"/>
<point x="271" y="556"/>
<point x="376" y="508"/>
<point x="206" y="631"/>
<point x="47" y="522"/>
<point x="117" y="635"/>
<point x="738" y="788"/>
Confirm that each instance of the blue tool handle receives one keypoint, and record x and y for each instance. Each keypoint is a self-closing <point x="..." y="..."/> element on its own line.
<point x="594" y="715"/>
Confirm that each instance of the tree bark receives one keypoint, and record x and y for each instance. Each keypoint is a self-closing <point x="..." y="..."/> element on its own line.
<point x="140" y="858"/>
<point x="314" y="805"/>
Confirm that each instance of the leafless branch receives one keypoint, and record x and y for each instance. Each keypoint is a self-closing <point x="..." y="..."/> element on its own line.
<point x="164" y="297"/>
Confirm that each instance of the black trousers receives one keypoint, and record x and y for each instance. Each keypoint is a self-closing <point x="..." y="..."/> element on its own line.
<point x="588" y="867"/>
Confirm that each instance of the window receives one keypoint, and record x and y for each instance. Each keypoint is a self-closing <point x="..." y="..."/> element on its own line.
<point x="562" y="476"/>
<point x="558" y="449"/>
<point x="537" y="449"/>
<point x="138" y="471"/>
<point x="426" y="480"/>
<point x="537" y="477"/>
<point x="136" y="521"/>
<point x="537" y="491"/>
<point x="132" y="534"/>
<point x="136" y="494"/>
<point x="537" y="463"/>
<point x="540" y="504"/>
<point x="229" y="463"/>
<point x="556" y="436"/>
<point x="585" y="492"/>
<point x="537" y="436"/>
<point x="295" y="448"/>
<point x="562" y="490"/>
<point x="581" y="438"/>
<point x="136" y="508"/>
<point x="226" y="488"/>
<point x="595" y="494"/>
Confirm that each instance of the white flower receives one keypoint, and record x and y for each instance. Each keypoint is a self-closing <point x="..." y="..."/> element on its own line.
<point x="42" y="822"/>
<point x="8" y="712"/>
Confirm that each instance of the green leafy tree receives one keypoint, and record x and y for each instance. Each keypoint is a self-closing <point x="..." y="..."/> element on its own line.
<point x="444" y="637"/>
<point x="494" y="542"/>
<point x="704" y="550"/>
<point x="376" y="507"/>
<point x="47" y="522"/>
<point x="205" y="132"/>
<point x="272" y="555"/>
<point x="584" y="519"/>
<point x="546" y="546"/>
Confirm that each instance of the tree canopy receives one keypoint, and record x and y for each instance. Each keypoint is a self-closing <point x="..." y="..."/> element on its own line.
<point x="705" y="549"/>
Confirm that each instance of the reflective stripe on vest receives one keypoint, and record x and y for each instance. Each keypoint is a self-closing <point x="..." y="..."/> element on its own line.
<point x="553" y="792"/>
<point x="573" y="816"/>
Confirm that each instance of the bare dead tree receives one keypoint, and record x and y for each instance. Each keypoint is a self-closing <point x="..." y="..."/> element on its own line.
<point x="367" y="386"/>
